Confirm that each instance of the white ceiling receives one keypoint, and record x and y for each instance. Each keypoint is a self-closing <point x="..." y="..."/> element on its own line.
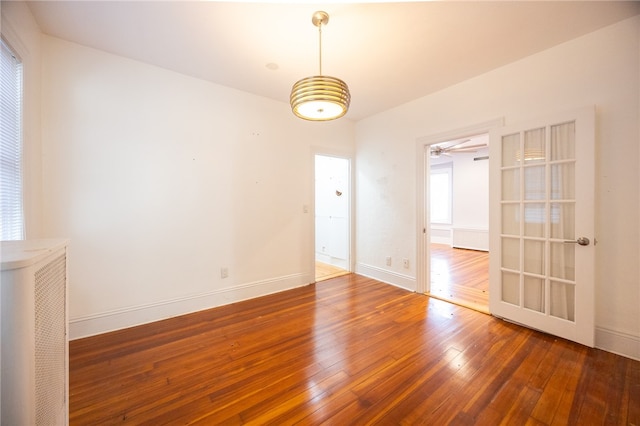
<point x="388" y="53"/>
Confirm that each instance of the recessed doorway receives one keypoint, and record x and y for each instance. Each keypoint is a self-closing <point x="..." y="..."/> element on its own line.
<point x="332" y="216"/>
<point x="458" y="200"/>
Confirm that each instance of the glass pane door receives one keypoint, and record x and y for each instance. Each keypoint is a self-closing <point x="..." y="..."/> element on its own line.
<point x="536" y="208"/>
<point x="531" y="203"/>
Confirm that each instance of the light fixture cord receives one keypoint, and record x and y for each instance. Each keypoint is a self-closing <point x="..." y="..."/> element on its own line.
<point x="320" y="37"/>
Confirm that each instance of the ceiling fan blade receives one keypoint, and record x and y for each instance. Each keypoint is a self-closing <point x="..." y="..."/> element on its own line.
<point x="468" y="148"/>
<point x="446" y="148"/>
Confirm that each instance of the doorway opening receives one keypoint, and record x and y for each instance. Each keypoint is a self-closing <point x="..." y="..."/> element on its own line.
<point x="332" y="217"/>
<point x="457" y="199"/>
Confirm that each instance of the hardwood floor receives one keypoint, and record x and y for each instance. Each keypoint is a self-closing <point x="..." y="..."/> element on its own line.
<point x="350" y="350"/>
<point x="460" y="276"/>
<point x="325" y="271"/>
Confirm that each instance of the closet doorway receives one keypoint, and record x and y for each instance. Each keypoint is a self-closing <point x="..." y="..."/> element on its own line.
<point x="332" y="216"/>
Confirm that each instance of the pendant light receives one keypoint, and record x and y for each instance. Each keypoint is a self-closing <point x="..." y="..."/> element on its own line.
<point x="320" y="97"/>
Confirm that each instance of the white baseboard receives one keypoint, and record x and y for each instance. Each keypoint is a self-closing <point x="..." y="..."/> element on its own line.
<point x="473" y="239"/>
<point x="618" y="342"/>
<point x="330" y="260"/>
<point x="399" y="280"/>
<point x="441" y="240"/>
<point x="136" y="315"/>
<point x="614" y="341"/>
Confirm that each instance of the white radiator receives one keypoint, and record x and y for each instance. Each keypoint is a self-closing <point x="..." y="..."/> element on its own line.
<point x="474" y="239"/>
<point x="34" y="358"/>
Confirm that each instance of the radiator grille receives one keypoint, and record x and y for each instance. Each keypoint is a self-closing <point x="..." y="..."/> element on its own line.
<point x="50" y="341"/>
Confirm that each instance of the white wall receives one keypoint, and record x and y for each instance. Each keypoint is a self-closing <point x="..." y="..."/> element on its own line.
<point x="471" y="191"/>
<point x="470" y="204"/>
<point x="160" y="180"/>
<point x="602" y="69"/>
<point x="21" y="31"/>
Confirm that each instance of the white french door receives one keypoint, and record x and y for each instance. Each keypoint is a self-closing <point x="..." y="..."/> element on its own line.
<point x="542" y="239"/>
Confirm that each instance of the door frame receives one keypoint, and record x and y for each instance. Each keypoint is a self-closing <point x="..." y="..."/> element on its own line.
<point x="347" y="155"/>
<point x="423" y="164"/>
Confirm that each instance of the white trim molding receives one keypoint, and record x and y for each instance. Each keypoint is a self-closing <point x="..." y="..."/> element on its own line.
<point x="131" y="316"/>
<point x="406" y="282"/>
<point x="618" y="342"/>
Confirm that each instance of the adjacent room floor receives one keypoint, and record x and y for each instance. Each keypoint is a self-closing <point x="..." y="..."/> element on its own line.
<point x="325" y="271"/>
<point x="460" y="276"/>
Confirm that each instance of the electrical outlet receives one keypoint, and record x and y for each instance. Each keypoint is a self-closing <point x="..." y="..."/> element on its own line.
<point x="405" y="263"/>
<point x="224" y="272"/>
<point x="388" y="260"/>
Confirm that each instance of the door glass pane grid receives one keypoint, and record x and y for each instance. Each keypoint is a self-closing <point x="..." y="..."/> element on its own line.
<point x="535" y="187"/>
<point x="535" y="146"/>
<point x="511" y="288"/>
<point x="561" y="273"/>
<point x="562" y="300"/>
<point x="510" y="254"/>
<point x="536" y="220"/>
<point x="562" y="220"/>
<point x="535" y="257"/>
<point x="511" y="184"/>
<point x="525" y="213"/>
<point x="563" y="260"/>
<point x="529" y="219"/>
<point x="534" y="293"/>
<point x="510" y="219"/>
<point x="510" y="150"/>
<point x="562" y="181"/>
<point x="563" y="141"/>
<point x="512" y="213"/>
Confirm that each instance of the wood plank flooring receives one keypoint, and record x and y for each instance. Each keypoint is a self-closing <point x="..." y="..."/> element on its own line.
<point x="324" y="271"/>
<point x="460" y="276"/>
<point x="350" y="350"/>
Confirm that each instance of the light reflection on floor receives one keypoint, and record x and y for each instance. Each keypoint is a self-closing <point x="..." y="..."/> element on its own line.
<point x="460" y="276"/>
<point x="442" y="308"/>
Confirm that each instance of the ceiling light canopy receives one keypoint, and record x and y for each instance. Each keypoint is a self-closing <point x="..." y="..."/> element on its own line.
<point x="320" y="97"/>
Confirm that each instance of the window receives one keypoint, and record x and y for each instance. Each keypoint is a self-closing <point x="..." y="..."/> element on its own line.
<point x="12" y="224"/>
<point x="441" y="186"/>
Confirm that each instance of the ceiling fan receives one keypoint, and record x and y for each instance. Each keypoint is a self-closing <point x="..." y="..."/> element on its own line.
<point x="437" y="150"/>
